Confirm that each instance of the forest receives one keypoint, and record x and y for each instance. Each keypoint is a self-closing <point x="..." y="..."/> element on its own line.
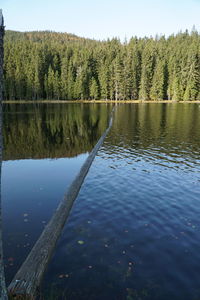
<point x="56" y="66"/>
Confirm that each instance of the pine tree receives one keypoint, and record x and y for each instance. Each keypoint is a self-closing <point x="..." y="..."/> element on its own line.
<point x="47" y="65"/>
<point x="118" y="78"/>
<point x="64" y="78"/>
<point x="104" y="78"/>
<point x="159" y="82"/>
<point x="49" y="84"/>
<point x="193" y="78"/>
<point x="148" y="64"/>
<point x="94" y="89"/>
<point x="56" y="86"/>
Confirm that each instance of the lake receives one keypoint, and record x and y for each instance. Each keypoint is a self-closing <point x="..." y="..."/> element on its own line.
<point x="134" y="229"/>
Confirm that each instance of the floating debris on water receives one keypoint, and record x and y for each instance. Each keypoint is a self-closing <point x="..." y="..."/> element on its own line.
<point x="80" y="242"/>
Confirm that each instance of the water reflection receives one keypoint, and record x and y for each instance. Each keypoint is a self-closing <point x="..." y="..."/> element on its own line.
<point x="135" y="226"/>
<point x="32" y="184"/>
<point x="134" y="229"/>
<point x="165" y="133"/>
<point x="52" y="131"/>
<point x="172" y="124"/>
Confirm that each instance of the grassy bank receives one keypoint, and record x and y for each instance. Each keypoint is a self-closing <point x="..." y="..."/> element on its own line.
<point x="95" y="101"/>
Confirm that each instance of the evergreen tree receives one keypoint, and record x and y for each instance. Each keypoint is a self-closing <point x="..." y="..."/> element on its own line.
<point x="159" y="83"/>
<point x="94" y="89"/>
<point x="104" y="78"/>
<point x="193" y="78"/>
<point x="49" y="65"/>
<point x="148" y="64"/>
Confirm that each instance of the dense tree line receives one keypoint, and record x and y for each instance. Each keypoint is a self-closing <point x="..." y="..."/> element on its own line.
<point x="48" y="65"/>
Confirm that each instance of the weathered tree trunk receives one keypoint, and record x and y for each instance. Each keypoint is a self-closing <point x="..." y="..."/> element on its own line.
<point x="28" y="279"/>
<point x="3" y="292"/>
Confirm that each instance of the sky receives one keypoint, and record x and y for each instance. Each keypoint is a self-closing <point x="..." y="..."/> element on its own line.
<point x="102" y="19"/>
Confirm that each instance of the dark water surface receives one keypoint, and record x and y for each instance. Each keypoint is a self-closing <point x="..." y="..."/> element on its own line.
<point x="134" y="230"/>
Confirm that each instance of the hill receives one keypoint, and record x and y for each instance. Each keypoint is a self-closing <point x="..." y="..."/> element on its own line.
<point x="50" y="65"/>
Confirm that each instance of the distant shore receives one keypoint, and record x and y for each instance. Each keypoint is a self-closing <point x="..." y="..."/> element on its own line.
<point x="95" y="101"/>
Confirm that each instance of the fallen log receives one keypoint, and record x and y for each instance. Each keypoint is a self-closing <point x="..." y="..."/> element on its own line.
<point x="28" y="279"/>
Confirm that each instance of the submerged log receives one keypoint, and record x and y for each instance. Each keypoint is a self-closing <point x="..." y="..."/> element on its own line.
<point x="28" y="279"/>
<point x="3" y="291"/>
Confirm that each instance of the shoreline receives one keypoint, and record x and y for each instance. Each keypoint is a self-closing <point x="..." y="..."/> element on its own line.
<point x="96" y="101"/>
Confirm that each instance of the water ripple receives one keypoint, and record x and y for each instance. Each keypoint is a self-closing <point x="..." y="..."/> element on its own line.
<point x="139" y="212"/>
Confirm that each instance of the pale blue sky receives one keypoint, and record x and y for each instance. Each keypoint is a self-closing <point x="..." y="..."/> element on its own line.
<point x="101" y="19"/>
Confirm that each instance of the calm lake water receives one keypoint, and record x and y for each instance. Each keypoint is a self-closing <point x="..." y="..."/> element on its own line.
<point x="134" y="230"/>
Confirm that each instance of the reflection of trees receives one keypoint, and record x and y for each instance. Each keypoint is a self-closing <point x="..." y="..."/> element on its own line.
<point x="65" y="130"/>
<point x="52" y="130"/>
<point x="171" y="128"/>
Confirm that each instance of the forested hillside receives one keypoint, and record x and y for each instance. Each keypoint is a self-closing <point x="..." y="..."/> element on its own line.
<point x="49" y="65"/>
